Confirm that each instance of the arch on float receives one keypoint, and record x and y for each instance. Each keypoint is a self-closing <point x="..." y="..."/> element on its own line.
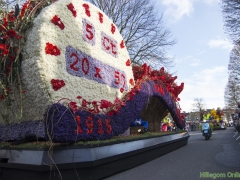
<point x="66" y="126"/>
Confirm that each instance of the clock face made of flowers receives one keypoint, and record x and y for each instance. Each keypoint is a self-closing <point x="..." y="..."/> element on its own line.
<point x="73" y="51"/>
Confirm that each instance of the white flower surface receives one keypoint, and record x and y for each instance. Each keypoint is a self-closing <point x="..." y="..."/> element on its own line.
<point x="39" y="68"/>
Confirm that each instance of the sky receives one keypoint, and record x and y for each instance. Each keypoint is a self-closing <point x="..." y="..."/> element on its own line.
<point x="202" y="51"/>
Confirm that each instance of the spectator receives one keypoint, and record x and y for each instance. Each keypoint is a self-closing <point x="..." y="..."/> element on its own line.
<point x="166" y="120"/>
<point x="235" y="117"/>
<point x="238" y="113"/>
<point x="169" y="127"/>
<point x="187" y="127"/>
<point x="174" y="126"/>
<point x="164" y="127"/>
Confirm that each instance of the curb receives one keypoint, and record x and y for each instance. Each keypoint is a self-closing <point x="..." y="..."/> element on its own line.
<point x="86" y="163"/>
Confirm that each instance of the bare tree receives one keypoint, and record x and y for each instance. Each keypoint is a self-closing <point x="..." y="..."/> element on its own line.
<point x="232" y="89"/>
<point x="142" y="29"/>
<point x="234" y="62"/>
<point x="2" y="7"/>
<point x="231" y="17"/>
<point x="199" y="106"/>
<point x="232" y="93"/>
<point x="7" y="5"/>
<point x="228" y="111"/>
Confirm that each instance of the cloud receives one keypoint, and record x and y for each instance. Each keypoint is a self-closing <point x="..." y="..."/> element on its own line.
<point x="208" y="84"/>
<point x="195" y="62"/>
<point x="189" y="60"/>
<point x="220" y="43"/>
<point x="177" y="9"/>
<point x="211" y="1"/>
<point x="200" y="52"/>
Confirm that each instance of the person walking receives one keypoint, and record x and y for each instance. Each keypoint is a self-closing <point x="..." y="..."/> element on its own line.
<point x="238" y="114"/>
<point x="187" y="127"/>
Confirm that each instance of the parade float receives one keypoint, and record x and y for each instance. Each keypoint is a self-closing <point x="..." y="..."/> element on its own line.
<point x="217" y="116"/>
<point x="66" y="76"/>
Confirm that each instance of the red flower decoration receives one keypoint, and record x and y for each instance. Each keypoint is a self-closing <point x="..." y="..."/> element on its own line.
<point x="12" y="33"/>
<point x="131" y="81"/>
<point x="11" y="16"/>
<point x="25" y="5"/>
<point x="100" y="17"/>
<point x="9" y="67"/>
<point x="18" y="37"/>
<point x="108" y="126"/>
<point x="57" y="21"/>
<point x="73" y="106"/>
<point x="122" y="44"/>
<point x="162" y="70"/>
<point x="131" y="94"/>
<point x="1" y="97"/>
<point x="138" y="88"/>
<point x="121" y="90"/>
<point x="57" y="84"/>
<point x="51" y="49"/>
<point x="4" y="49"/>
<point x="5" y="22"/>
<point x="79" y="128"/>
<point x="95" y="105"/>
<point x="110" y="113"/>
<point x="79" y="97"/>
<point x="87" y="11"/>
<point x="89" y="124"/>
<point x="113" y="28"/>
<point x="84" y="103"/>
<point x="128" y="63"/>
<point x="105" y="104"/>
<point x="72" y="9"/>
<point x="6" y="37"/>
<point x="118" y="102"/>
<point x="100" y="127"/>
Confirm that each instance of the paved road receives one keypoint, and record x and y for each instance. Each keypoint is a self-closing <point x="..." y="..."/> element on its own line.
<point x="220" y="156"/>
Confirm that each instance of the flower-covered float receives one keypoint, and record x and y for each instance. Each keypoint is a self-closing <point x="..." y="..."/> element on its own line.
<point x="217" y="116"/>
<point x="66" y="76"/>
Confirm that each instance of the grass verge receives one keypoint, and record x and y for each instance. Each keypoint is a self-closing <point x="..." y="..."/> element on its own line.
<point x="42" y="145"/>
